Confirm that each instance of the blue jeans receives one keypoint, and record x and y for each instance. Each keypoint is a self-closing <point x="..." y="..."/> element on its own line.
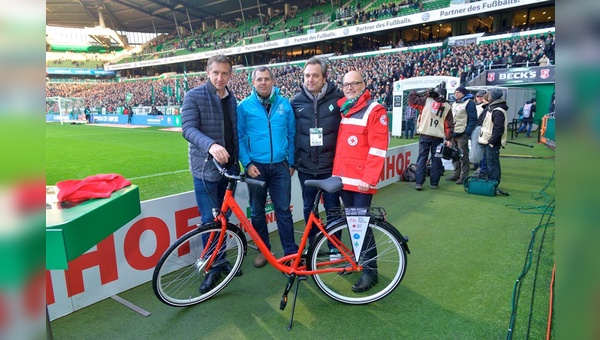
<point x="353" y="199"/>
<point x="482" y="164"/>
<point x="279" y="184"/>
<point x="409" y="130"/>
<point x="492" y="158"/>
<point x="330" y="200"/>
<point x="527" y="123"/>
<point x="427" y="146"/>
<point x="209" y="195"/>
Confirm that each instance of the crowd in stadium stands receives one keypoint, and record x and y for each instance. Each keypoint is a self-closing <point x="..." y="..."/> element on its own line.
<point x="284" y="25"/>
<point x="380" y="72"/>
<point x="269" y="24"/>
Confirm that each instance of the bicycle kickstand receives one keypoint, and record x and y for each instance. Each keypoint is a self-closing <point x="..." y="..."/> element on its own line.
<point x="284" y="298"/>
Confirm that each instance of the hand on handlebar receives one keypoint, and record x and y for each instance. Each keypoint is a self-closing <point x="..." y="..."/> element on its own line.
<point x="219" y="153"/>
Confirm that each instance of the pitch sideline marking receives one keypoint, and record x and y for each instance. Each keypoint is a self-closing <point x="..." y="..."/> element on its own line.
<point x="160" y="174"/>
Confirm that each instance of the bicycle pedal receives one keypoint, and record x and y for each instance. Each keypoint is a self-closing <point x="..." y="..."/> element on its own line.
<point x="283" y="302"/>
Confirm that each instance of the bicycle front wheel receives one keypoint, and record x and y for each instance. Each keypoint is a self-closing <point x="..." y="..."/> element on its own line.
<point x="383" y="255"/>
<point x="183" y="267"/>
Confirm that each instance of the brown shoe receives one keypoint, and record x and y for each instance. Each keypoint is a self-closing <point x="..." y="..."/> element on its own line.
<point x="260" y="261"/>
<point x="460" y="181"/>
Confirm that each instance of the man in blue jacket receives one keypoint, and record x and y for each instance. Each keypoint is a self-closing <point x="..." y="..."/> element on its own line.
<point x="266" y="130"/>
<point x="209" y="124"/>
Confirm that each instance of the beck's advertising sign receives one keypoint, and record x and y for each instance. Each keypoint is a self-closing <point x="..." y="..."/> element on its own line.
<point x="520" y="75"/>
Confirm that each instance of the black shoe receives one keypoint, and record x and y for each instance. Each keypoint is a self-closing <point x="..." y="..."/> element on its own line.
<point x="366" y="282"/>
<point x="227" y="269"/>
<point x="210" y="281"/>
<point x="501" y="192"/>
<point x="452" y="179"/>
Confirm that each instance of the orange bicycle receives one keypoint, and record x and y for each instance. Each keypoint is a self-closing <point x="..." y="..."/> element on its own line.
<point x="335" y="259"/>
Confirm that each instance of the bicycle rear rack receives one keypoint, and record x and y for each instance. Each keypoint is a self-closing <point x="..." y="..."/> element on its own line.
<point x="375" y="212"/>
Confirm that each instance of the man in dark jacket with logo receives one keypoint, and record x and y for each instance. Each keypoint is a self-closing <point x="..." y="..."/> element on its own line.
<point x="317" y="124"/>
<point x="209" y="124"/>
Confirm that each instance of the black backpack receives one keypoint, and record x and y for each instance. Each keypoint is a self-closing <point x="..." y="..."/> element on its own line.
<point x="409" y="174"/>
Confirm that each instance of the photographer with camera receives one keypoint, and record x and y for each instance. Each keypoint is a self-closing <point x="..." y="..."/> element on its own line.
<point x="464" y="113"/>
<point x="435" y="126"/>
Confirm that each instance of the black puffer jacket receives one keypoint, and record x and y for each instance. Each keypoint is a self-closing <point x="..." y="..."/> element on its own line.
<point x="498" y="119"/>
<point x="324" y="114"/>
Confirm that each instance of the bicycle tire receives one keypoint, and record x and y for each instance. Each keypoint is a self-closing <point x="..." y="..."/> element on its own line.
<point x="181" y="270"/>
<point x="391" y="262"/>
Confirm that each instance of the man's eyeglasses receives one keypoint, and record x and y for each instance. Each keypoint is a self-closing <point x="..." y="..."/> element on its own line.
<point x="352" y="84"/>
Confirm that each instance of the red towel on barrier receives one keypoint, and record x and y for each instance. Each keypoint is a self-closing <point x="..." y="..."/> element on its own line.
<point x="97" y="186"/>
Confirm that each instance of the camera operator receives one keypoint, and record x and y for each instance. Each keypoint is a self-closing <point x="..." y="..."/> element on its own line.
<point x="435" y="126"/>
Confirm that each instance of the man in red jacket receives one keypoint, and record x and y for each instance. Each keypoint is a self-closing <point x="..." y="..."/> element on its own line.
<point x="359" y="158"/>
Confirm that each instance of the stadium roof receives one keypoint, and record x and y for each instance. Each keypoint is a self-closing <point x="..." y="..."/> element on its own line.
<point x="155" y="15"/>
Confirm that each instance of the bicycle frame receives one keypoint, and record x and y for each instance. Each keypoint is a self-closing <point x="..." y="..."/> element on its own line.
<point x="217" y="251"/>
<point x="295" y="266"/>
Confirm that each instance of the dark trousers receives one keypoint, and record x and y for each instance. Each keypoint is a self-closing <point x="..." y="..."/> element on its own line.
<point x="330" y="200"/>
<point x="427" y="146"/>
<point x="209" y="195"/>
<point x="492" y="159"/>
<point x="409" y="130"/>
<point x="279" y="185"/>
<point x="461" y="167"/>
<point x="353" y="199"/>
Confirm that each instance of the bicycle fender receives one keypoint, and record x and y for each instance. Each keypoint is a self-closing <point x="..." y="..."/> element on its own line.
<point x="402" y="237"/>
<point x="232" y="227"/>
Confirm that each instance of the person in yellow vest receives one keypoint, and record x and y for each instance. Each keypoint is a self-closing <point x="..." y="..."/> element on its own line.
<point x="464" y="114"/>
<point x="480" y="106"/>
<point x="435" y="126"/>
<point x="493" y="134"/>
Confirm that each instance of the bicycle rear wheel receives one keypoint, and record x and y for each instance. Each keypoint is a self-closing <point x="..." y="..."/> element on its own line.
<point x="182" y="268"/>
<point x="388" y="253"/>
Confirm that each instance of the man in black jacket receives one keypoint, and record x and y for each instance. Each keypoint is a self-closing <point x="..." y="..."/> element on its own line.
<point x="317" y="123"/>
<point x="493" y="134"/>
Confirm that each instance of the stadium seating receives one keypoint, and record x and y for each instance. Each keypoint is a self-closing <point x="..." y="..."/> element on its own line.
<point x="381" y="69"/>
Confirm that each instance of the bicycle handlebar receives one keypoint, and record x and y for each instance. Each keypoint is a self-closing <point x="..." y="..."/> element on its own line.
<point x="241" y="178"/>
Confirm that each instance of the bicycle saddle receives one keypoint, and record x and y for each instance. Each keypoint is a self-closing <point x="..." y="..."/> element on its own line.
<point x="331" y="184"/>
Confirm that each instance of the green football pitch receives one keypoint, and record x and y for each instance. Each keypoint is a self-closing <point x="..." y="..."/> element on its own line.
<point x="467" y="252"/>
<point x="152" y="158"/>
